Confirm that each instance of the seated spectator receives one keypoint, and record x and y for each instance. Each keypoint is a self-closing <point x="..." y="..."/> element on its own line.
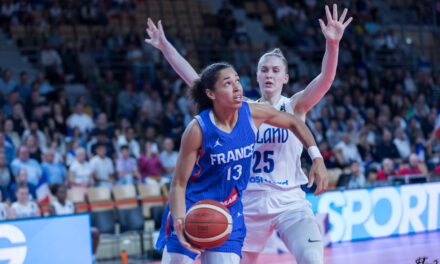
<point x="365" y="149"/>
<point x="33" y="146"/>
<point x="172" y="122"/>
<point x="106" y="89"/>
<point x="51" y="62"/>
<point x="386" y="171"/>
<point x="328" y="155"/>
<point x="80" y="172"/>
<point x="78" y="135"/>
<point x="402" y="143"/>
<point x="55" y="172"/>
<point x="102" y="167"/>
<point x="412" y="167"/>
<point x="19" y="119"/>
<point x="126" y="168"/>
<point x="22" y="178"/>
<point x="70" y="155"/>
<point x="11" y="135"/>
<point x="58" y="146"/>
<point x="346" y="151"/>
<point x="23" y="207"/>
<point x="34" y="130"/>
<point x="12" y="98"/>
<point x="80" y="119"/>
<point x="57" y="120"/>
<point x="333" y="134"/>
<point x="102" y="125"/>
<point x="60" y="206"/>
<point x="31" y="166"/>
<point x="386" y="148"/>
<point x="101" y="139"/>
<point x="7" y="84"/>
<point x="128" y="138"/>
<point x="150" y="164"/>
<point x="168" y="158"/>
<point x="318" y="132"/>
<point x="6" y="148"/>
<point x="355" y="178"/>
<point x="127" y="102"/>
<point x="284" y="10"/>
<point x="5" y="171"/>
<point x="4" y="208"/>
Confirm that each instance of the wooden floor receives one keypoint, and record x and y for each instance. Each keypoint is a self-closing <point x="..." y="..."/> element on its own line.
<point x="400" y="249"/>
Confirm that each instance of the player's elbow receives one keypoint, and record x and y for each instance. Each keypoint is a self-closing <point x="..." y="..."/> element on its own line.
<point x="295" y="123"/>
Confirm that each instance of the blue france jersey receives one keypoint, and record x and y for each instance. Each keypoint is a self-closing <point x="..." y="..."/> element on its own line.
<point x="225" y="159"/>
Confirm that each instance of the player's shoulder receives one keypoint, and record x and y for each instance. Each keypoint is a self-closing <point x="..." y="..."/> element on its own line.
<point x="192" y="136"/>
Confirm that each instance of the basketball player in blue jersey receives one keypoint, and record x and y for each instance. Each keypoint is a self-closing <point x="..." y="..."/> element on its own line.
<point x="214" y="161"/>
<point x="273" y="199"/>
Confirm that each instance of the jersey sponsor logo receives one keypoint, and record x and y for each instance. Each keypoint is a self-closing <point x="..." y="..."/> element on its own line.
<point x="232" y="155"/>
<point x="273" y="135"/>
<point x="313" y="241"/>
<point x="259" y="179"/>
<point x="233" y="197"/>
<point x="217" y="143"/>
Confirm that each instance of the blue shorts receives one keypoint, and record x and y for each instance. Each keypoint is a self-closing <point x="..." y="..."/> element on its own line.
<point x="168" y="238"/>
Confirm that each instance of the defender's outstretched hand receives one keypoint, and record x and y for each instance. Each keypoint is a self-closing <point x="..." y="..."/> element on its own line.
<point x="335" y="27"/>
<point x="157" y="36"/>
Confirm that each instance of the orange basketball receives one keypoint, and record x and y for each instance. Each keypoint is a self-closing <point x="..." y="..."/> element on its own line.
<point x="208" y="224"/>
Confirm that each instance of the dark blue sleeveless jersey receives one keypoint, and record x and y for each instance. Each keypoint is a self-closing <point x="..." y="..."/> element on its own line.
<point x="225" y="159"/>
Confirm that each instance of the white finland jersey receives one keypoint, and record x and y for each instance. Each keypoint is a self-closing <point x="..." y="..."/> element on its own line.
<point x="276" y="163"/>
<point x="66" y="209"/>
<point x="25" y="211"/>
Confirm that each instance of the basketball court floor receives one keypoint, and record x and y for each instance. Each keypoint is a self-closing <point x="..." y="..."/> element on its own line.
<point x="421" y="248"/>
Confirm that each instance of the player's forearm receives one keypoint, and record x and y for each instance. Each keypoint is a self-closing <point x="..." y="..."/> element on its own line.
<point x="329" y="63"/>
<point x="177" y="201"/>
<point x="317" y="88"/>
<point x="302" y="132"/>
<point x="179" y="64"/>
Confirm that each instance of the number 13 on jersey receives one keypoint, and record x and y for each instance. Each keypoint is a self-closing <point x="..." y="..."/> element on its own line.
<point x="234" y="172"/>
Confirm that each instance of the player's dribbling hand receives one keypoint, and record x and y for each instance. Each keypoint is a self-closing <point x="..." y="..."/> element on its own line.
<point x="157" y="35"/>
<point x="181" y="236"/>
<point x="335" y="27"/>
<point x="319" y="174"/>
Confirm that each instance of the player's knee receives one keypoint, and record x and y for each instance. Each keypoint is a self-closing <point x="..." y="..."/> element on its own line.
<point x="311" y="256"/>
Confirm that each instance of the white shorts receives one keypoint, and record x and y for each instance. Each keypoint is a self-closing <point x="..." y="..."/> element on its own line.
<point x="266" y="211"/>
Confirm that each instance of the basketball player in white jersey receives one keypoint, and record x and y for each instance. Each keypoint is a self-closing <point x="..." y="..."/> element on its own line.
<point x="274" y="199"/>
<point x="23" y="207"/>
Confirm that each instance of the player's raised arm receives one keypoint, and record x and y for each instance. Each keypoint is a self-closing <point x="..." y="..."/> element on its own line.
<point x="180" y="65"/>
<point x="262" y="113"/>
<point x="303" y="101"/>
<point x="189" y="149"/>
